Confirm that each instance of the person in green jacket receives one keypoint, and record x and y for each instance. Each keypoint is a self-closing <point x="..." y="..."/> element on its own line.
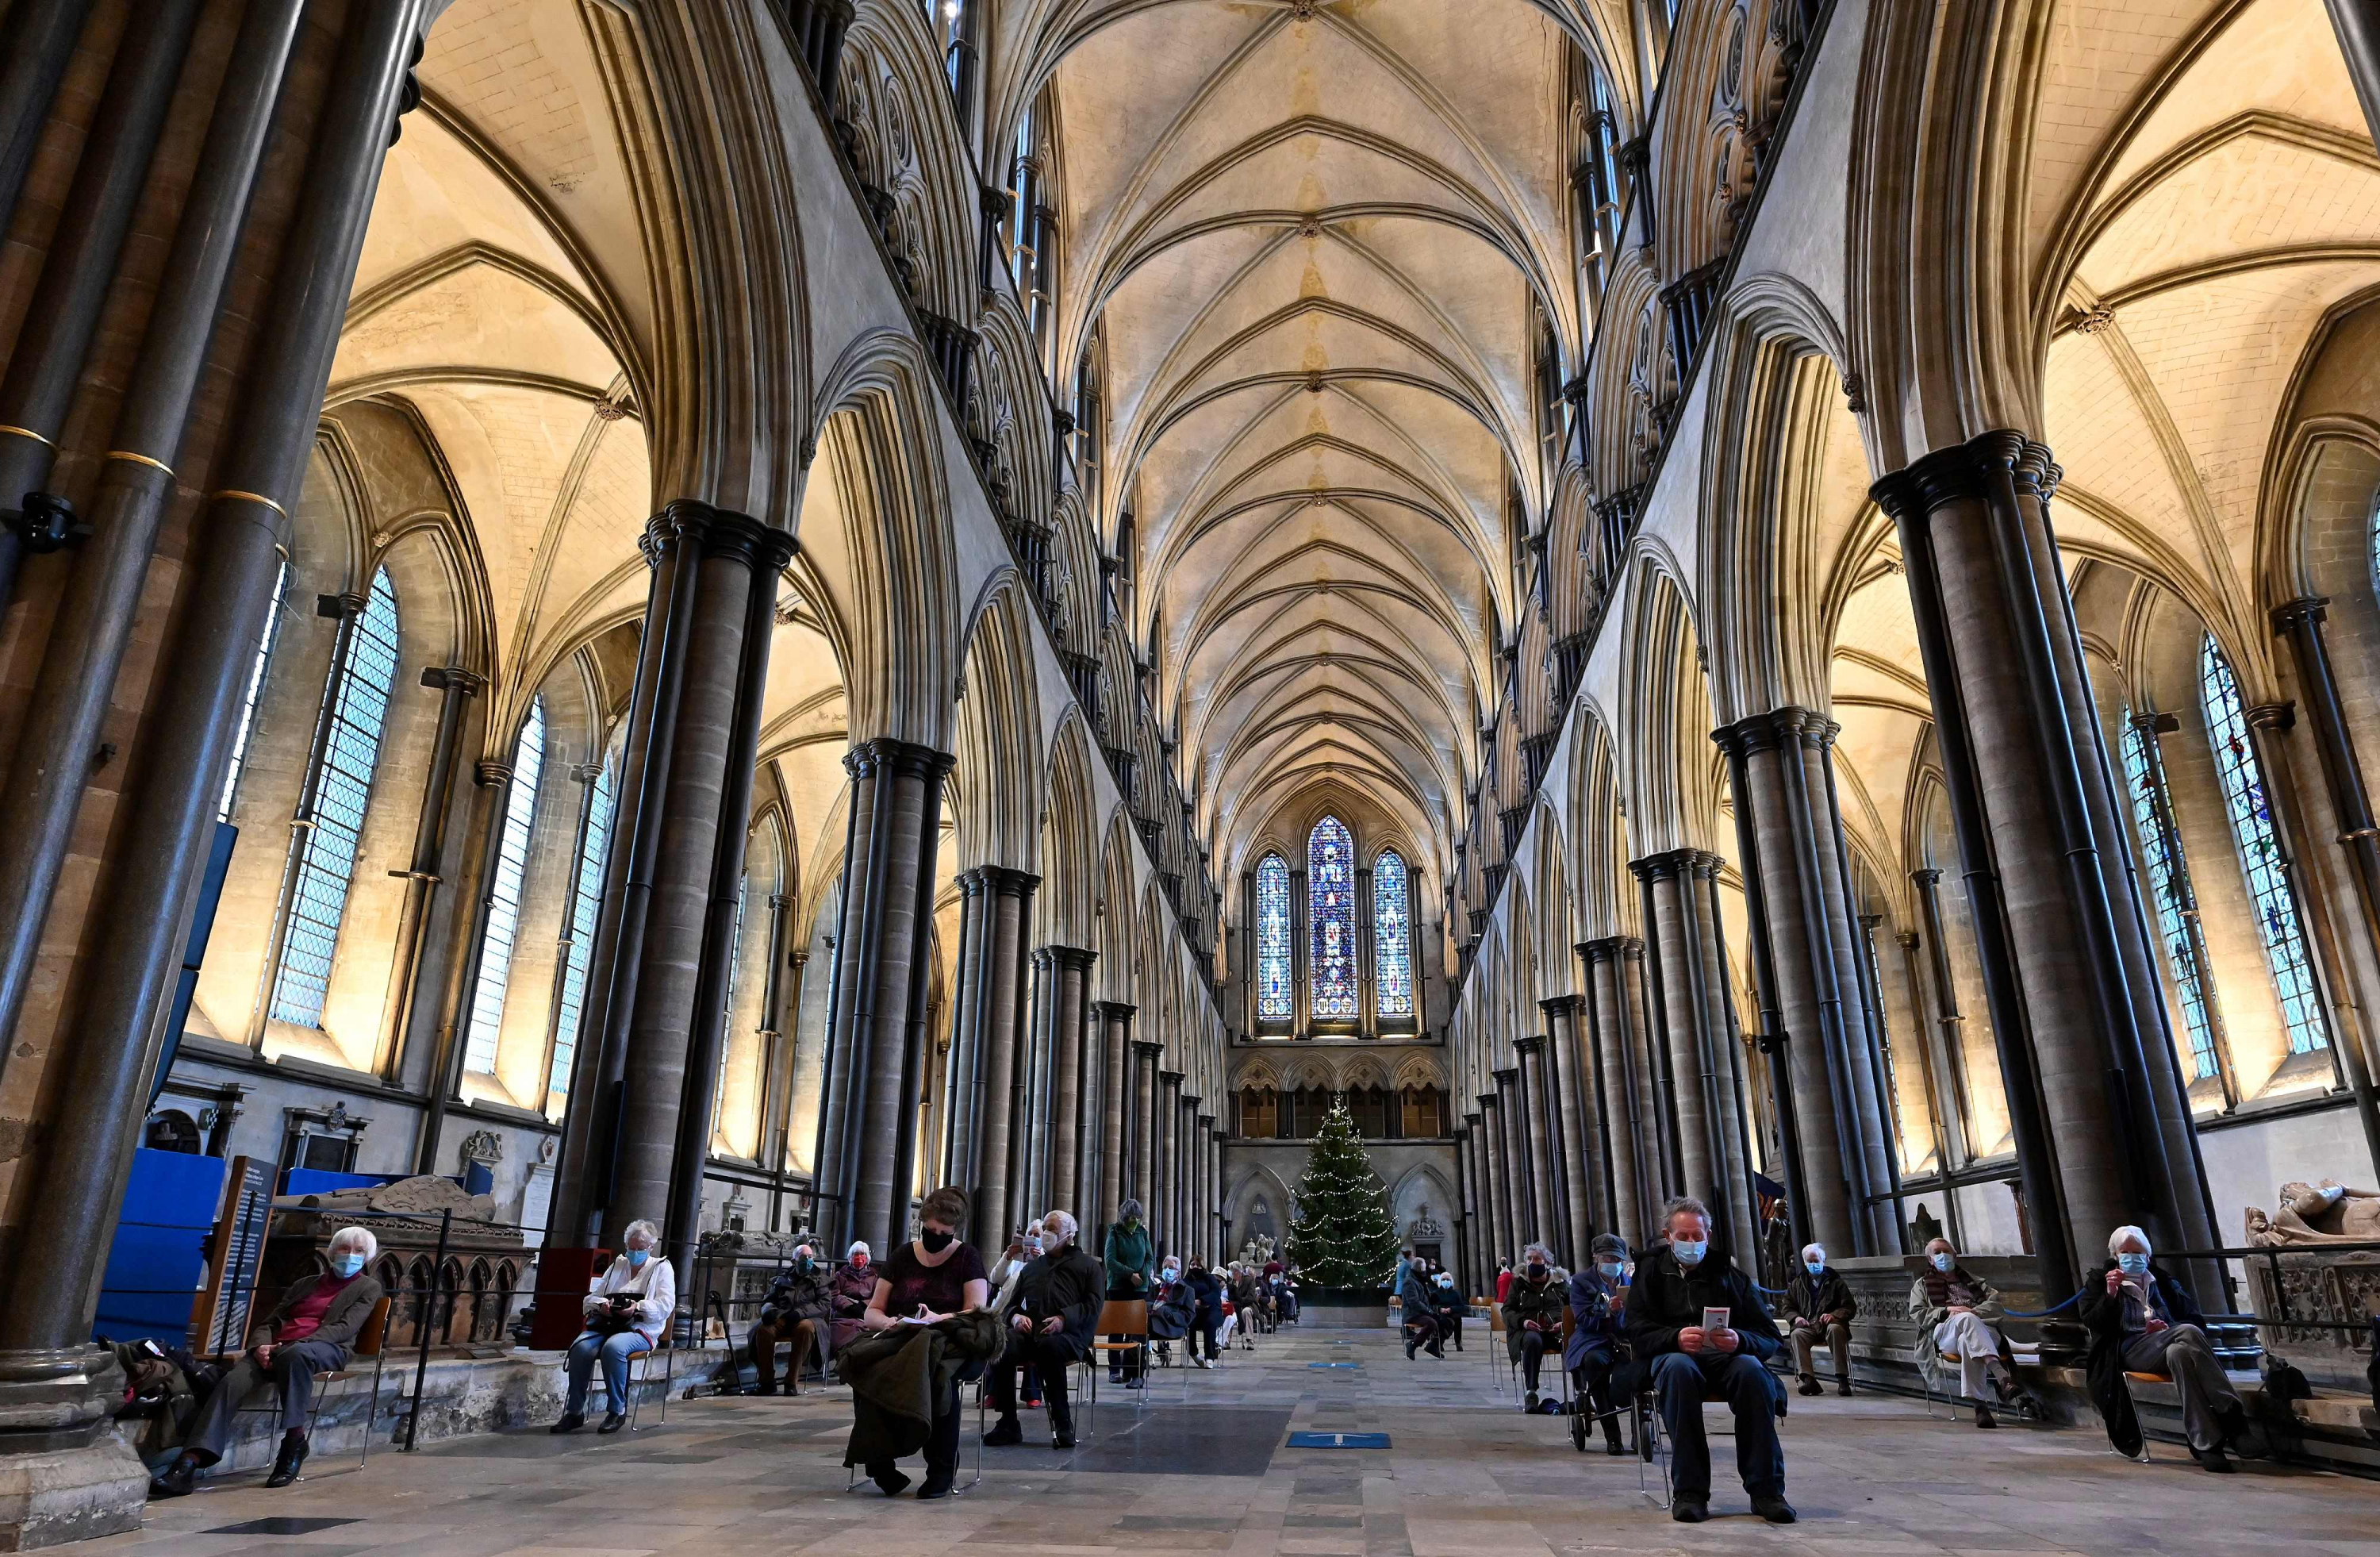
<point x="1130" y="1253"/>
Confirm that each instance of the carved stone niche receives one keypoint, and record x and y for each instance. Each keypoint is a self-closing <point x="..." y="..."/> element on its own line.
<point x="468" y="1301"/>
<point x="2326" y="1266"/>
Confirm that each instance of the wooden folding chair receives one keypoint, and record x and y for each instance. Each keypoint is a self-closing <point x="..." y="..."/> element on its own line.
<point x="1127" y="1316"/>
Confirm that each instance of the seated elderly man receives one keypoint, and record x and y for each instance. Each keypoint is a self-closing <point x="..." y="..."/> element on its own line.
<point x="2142" y="1319"/>
<point x="627" y="1313"/>
<point x="1049" y="1317"/>
<point x="1598" y="1297"/>
<point x="1821" y="1305"/>
<point x="1957" y="1313"/>
<point x="1419" y="1311"/>
<point x="1532" y="1311"/>
<point x="1689" y="1363"/>
<point x="313" y="1330"/>
<point x="793" y="1310"/>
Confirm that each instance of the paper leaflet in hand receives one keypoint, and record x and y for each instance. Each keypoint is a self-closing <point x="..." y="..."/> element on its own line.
<point x="1715" y="1318"/>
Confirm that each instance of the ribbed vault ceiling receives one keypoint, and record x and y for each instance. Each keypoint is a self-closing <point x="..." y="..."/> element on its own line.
<point x="1310" y="243"/>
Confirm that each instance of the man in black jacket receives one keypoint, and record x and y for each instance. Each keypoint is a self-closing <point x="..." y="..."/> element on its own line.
<point x="1821" y="1305"/>
<point x="794" y="1311"/>
<point x="1688" y="1363"/>
<point x="2142" y="1319"/>
<point x="1049" y="1318"/>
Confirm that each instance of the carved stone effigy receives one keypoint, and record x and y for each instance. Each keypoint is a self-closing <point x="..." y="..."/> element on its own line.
<point x="2320" y="1275"/>
<point x="468" y="1300"/>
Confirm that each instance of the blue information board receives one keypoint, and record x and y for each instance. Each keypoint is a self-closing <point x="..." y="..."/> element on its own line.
<point x="159" y="1259"/>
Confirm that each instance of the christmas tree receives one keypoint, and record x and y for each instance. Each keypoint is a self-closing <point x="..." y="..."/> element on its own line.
<point x="1344" y="1234"/>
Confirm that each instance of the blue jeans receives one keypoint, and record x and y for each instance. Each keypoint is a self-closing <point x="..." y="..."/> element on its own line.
<point x="615" y="1351"/>
<point x="1680" y="1384"/>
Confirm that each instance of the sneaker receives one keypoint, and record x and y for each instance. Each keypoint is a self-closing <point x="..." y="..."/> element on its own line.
<point x="1004" y="1433"/>
<point x="287" y="1463"/>
<point x="1533" y="1400"/>
<point x="1200" y="1362"/>
<point x="1134" y="1382"/>
<point x="612" y="1421"/>
<point x="1033" y="1402"/>
<point x="1810" y="1386"/>
<point x="1984" y="1417"/>
<point x="1689" y="1511"/>
<point x="1773" y="1508"/>
<point x="571" y="1421"/>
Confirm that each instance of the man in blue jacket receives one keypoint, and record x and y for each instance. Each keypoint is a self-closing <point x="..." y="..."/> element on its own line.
<point x="1689" y="1363"/>
<point x="1598" y="1297"/>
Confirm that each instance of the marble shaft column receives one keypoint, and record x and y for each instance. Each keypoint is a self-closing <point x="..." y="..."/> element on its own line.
<point x="1513" y="1218"/>
<point x="31" y="71"/>
<point x="1466" y="1210"/>
<point x="404" y="1006"/>
<point x="2357" y="23"/>
<point x="1070" y="969"/>
<point x="1007" y="911"/>
<point x="2300" y="622"/>
<point x="1145" y="1094"/>
<point x="2100" y="1118"/>
<point x="1090" y="1041"/>
<point x="63" y="1472"/>
<point x="1582" y="1141"/>
<point x="1210" y="1131"/>
<point x="1190" y="1154"/>
<point x="1533" y="1093"/>
<point x="1115" y="1088"/>
<point x="1491" y="1188"/>
<point x="1029" y="1147"/>
<point x="963" y="1075"/>
<point x="1163" y="1129"/>
<point x="1628" y="1166"/>
<point x="443" y="1078"/>
<point x="1706" y="1110"/>
<point x="1804" y="941"/>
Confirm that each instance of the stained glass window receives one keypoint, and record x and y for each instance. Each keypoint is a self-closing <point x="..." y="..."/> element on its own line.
<point x="1273" y="999"/>
<point x="326" y="861"/>
<point x="2259" y="850"/>
<point x="2169" y="886"/>
<point x="1392" y="936"/>
<point x="1331" y="903"/>
<point x="586" y="903"/>
<point x="255" y="691"/>
<point x="510" y="876"/>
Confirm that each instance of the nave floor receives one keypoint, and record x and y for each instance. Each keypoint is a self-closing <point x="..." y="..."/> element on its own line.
<point x="1465" y="1475"/>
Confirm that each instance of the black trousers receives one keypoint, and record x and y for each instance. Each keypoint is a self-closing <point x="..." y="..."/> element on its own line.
<point x="1207" y="1320"/>
<point x="942" y="1442"/>
<point x="1048" y="1356"/>
<point x="1533" y="1355"/>
<point x="1424" y="1327"/>
<point x="1592" y="1380"/>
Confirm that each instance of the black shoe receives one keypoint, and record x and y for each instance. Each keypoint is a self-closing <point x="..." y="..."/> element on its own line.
<point x="1410" y="1347"/>
<point x="1531" y="1406"/>
<point x="1810" y="1386"/>
<point x="937" y="1485"/>
<point x="889" y="1480"/>
<point x="1437" y="1352"/>
<point x="765" y="1390"/>
<point x="177" y="1480"/>
<point x="1843" y="1388"/>
<point x="613" y="1422"/>
<point x="1134" y="1382"/>
<point x="1984" y="1417"/>
<point x="285" y="1465"/>
<point x="1689" y="1511"/>
<point x="1773" y="1508"/>
<point x="571" y="1421"/>
<point x="1063" y="1438"/>
<point x="1611" y="1444"/>
<point x="2212" y="1459"/>
<point x="1003" y="1433"/>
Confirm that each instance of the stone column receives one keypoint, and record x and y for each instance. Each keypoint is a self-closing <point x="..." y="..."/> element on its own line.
<point x="2357" y="25"/>
<point x="64" y="1472"/>
<point x="1210" y="1131"/>
<point x="887" y="920"/>
<point x="1190" y="1213"/>
<point x="1367" y="1002"/>
<point x="991" y="1011"/>
<point x="1069" y="972"/>
<point x="1168" y="1123"/>
<point x="1115" y="1090"/>
<point x="1301" y="960"/>
<point x="2300" y="622"/>
<point x="1090" y="1041"/>
<point x="1519" y="1218"/>
<point x="1146" y="1054"/>
<point x="1956" y="1149"/>
<point x="1466" y="1199"/>
<point x="2101" y="1119"/>
<point x="443" y="1078"/>
<point x="1545" y="1198"/>
<point x="1696" y="1069"/>
<point x="1619" y="1042"/>
<point x="962" y="1075"/>
<point x="1582" y="1141"/>
<point x="1785" y="812"/>
<point x="1491" y="1185"/>
<point x="408" y="977"/>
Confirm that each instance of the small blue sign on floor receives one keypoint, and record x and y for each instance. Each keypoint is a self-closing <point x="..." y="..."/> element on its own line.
<point x="1334" y="1365"/>
<point x="1337" y="1441"/>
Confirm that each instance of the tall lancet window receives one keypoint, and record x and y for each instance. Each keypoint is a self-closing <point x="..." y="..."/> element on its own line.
<point x="1392" y="936"/>
<point x="2259" y="850"/>
<point x="1330" y="894"/>
<point x="505" y="888"/>
<point x="2170" y="887"/>
<point x="586" y="903"/>
<point x="1274" y="1001"/>
<point x="357" y="694"/>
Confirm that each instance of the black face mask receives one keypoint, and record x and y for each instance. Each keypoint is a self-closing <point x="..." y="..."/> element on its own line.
<point x="1538" y="1273"/>
<point x="935" y="1242"/>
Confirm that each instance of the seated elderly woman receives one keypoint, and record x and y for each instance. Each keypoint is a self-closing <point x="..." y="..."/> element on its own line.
<point x="626" y="1313"/>
<point x="313" y="1330"/>
<point x="1958" y="1314"/>
<point x="2142" y="1319"/>
<point x="1532" y="1311"/>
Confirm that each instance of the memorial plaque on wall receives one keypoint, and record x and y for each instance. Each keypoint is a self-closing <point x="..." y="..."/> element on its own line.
<point x="234" y="1257"/>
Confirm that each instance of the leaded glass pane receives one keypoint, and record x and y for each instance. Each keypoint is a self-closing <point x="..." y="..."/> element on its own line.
<point x="1330" y="895"/>
<point x="504" y="894"/>
<point x="1392" y="936"/>
<point x="2169" y="886"/>
<point x="586" y="903"/>
<point x="326" y="862"/>
<point x="2259" y="850"/>
<point x="255" y="691"/>
<point x="1273" y="999"/>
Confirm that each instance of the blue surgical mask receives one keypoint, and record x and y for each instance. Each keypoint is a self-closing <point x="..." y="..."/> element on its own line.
<point x="1816" y="1267"/>
<point x="1690" y="1252"/>
<point x="1611" y="1270"/>
<point x="637" y="1259"/>
<point x="2133" y="1264"/>
<point x="1942" y="1262"/>
<point x="346" y="1265"/>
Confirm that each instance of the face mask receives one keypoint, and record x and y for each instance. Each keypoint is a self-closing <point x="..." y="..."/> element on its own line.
<point x="346" y="1265"/>
<point x="1814" y="1266"/>
<point x="2133" y="1264"/>
<point x="805" y="1263"/>
<point x="934" y="1239"/>
<point x="1538" y="1273"/>
<point x="1611" y="1270"/>
<point x="1690" y="1252"/>
<point x="1942" y="1262"/>
<point x="859" y="1263"/>
<point x="637" y="1259"/>
<point x="1446" y="1281"/>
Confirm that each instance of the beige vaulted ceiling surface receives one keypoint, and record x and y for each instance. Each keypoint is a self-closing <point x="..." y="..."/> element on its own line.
<point x="1310" y="249"/>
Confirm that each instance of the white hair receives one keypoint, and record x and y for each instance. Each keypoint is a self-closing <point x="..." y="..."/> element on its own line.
<point x="1060" y="1226"/>
<point x="1540" y="1251"/>
<point x="2126" y="1235"/>
<point x="859" y="1246"/>
<point x="355" y="1237"/>
<point x="652" y="1233"/>
<point x="1819" y="1250"/>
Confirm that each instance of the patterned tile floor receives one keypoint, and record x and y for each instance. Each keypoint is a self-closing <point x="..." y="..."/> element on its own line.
<point x="1465" y="1475"/>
